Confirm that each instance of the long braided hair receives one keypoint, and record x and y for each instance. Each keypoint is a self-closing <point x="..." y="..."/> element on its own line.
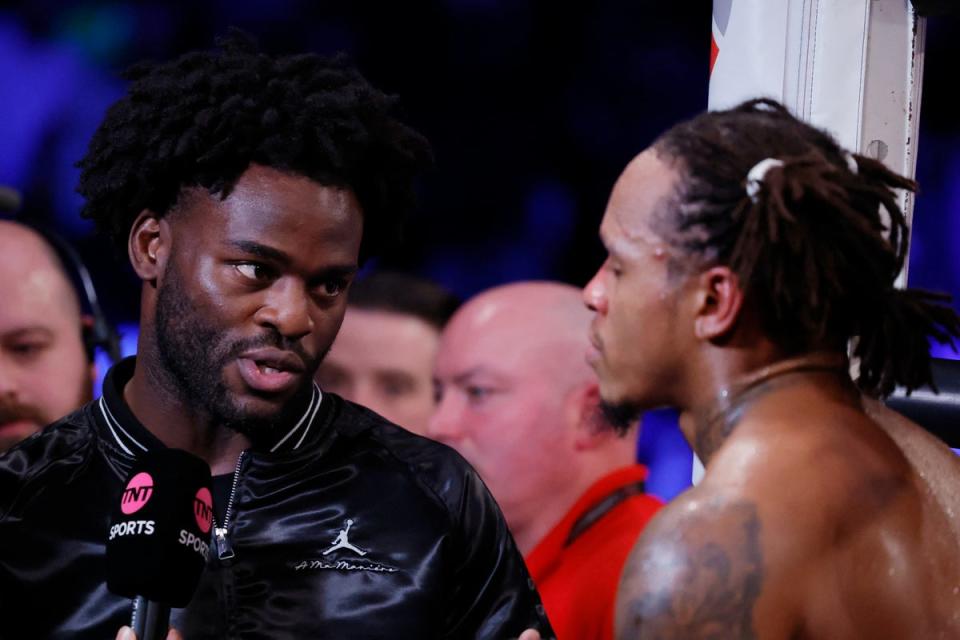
<point x="816" y="247"/>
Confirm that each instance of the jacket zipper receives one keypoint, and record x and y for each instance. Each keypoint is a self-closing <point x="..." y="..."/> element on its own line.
<point x="224" y="547"/>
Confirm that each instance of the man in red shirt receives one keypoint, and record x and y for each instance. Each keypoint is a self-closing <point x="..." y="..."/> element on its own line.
<point x="518" y="400"/>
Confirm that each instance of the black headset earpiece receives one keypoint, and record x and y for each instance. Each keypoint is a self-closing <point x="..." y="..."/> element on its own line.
<point x="99" y="333"/>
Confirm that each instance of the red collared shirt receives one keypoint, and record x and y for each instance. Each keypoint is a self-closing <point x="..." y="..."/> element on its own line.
<point x="577" y="566"/>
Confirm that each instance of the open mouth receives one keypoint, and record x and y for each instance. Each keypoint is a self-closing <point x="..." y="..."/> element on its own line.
<point x="270" y="370"/>
<point x="267" y="369"/>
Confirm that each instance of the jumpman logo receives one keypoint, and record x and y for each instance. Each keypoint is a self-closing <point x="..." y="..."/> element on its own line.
<point x="342" y="543"/>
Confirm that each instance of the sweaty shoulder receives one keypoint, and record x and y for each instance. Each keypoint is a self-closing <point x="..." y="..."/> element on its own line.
<point x="733" y="557"/>
<point x="697" y="571"/>
<point x="937" y="466"/>
<point x="740" y="554"/>
<point x="819" y="470"/>
<point x="44" y="459"/>
<point x="818" y="454"/>
<point x="850" y="500"/>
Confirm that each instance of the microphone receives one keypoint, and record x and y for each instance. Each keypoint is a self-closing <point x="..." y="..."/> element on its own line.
<point x="159" y="535"/>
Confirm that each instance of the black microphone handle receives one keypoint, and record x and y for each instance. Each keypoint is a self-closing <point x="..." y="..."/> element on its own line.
<point x="151" y="620"/>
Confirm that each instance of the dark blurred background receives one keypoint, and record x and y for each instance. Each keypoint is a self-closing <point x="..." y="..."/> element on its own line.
<point x="533" y="108"/>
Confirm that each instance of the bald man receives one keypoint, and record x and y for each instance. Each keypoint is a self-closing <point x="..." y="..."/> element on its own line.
<point x="44" y="370"/>
<point x="519" y="402"/>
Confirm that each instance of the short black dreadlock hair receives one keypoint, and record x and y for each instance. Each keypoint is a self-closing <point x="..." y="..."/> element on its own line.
<point x="813" y="249"/>
<point x="203" y="118"/>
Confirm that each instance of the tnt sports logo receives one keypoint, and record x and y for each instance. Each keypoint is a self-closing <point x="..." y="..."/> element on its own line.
<point x="137" y="493"/>
<point x="203" y="509"/>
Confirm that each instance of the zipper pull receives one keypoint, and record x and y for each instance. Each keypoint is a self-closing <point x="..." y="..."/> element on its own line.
<point x="224" y="548"/>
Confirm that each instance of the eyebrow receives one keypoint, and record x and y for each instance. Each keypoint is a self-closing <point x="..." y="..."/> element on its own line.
<point x="260" y="250"/>
<point x="335" y="271"/>
<point x="28" y="331"/>
<point x="608" y="246"/>
<point x="613" y="246"/>
<point x="392" y="373"/>
<point x="461" y="378"/>
<point x="270" y="253"/>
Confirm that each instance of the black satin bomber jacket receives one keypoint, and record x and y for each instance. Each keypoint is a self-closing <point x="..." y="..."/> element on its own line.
<point x="438" y="561"/>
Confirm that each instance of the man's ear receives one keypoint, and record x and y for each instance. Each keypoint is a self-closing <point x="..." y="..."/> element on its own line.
<point x="592" y="429"/>
<point x="719" y="301"/>
<point x="148" y="245"/>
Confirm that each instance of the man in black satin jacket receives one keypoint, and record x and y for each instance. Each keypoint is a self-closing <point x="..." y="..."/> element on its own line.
<point x="246" y="189"/>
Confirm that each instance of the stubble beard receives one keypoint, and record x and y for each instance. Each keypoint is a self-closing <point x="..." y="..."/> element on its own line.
<point x="194" y="355"/>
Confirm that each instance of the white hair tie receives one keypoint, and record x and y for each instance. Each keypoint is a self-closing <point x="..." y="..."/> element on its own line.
<point x="851" y="162"/>
<point x="756" y="175"/>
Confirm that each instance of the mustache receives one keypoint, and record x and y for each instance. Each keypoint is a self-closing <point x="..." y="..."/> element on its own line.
<point x="12" y="411"/>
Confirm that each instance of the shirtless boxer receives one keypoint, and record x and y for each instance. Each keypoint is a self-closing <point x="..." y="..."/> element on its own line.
<point x="746" y="249"/>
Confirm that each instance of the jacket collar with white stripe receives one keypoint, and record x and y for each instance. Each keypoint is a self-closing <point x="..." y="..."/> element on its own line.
<point x="129" y="435"/>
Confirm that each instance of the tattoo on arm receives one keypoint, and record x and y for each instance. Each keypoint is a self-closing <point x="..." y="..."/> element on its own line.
<point x="698" y="580"/>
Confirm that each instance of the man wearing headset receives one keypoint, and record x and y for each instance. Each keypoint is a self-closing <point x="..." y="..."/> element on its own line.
<point x="45" y="369"/>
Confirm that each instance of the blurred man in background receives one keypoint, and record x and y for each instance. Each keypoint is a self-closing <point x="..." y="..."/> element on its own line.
<point x="517" y="399"/>
<point x="45" y="372"/>
<point x="383" y="356"/>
